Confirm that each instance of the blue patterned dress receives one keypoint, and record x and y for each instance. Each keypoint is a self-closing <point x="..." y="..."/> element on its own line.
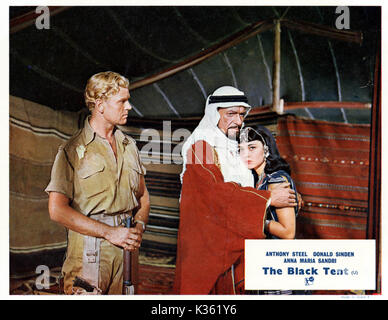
<point x="277" y="177"/>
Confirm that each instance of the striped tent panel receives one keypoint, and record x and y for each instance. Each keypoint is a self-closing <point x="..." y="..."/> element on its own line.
<point x="330" y="165"/>
<point x="35" y="132"/>
<point x="35" y="231"/>
<point x="42" y="119"/>
<point x="25" y="138"/>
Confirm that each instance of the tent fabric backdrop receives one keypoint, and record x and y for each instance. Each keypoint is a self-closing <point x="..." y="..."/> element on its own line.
<point x="36" y="132"/>
<point x="330" y="166"/>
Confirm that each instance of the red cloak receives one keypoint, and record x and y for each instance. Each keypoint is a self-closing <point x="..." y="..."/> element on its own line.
<point x="215" y="219"/>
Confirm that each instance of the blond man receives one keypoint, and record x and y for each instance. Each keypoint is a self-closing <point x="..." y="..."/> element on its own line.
<point x="97" y="181"/>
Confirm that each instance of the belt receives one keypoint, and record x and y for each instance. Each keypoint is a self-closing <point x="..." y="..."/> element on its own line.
<point x="91" y="251"/>
<point x="112" y="219"/>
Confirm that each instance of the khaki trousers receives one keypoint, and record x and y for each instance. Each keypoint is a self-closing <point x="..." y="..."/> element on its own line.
<point x="110" y="275"/>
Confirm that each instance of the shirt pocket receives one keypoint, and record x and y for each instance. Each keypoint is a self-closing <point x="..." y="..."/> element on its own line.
<point x="134" y="173"/>
<point x="91" y="178"/>
<point x="133" y="170"/>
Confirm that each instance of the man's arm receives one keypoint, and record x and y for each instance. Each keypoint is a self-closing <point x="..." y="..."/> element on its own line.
<point x="237" y="209"/>
<point x="144" y="206"/>
<point x="61" y="212"/>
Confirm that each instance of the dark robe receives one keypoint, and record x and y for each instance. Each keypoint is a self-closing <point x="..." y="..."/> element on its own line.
<point x="215" y="219"/>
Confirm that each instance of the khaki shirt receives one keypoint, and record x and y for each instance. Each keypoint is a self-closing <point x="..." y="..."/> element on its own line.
<point x="86" y="171"/>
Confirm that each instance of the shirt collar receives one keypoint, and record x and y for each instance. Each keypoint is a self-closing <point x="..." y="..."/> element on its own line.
<point x="121" y="137"/>
<point x="90" y="134"/>
<point x="88" y="131"/>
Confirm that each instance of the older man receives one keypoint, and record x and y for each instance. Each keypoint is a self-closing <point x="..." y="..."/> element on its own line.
<point x="97" y="181"/>
<point x="219" y="207"/>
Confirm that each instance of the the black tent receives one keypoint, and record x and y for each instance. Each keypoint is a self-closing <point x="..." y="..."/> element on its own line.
<point x="174" y="58"/>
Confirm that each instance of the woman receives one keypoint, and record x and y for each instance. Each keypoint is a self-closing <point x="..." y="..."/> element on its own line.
<point x="259" y="152"/>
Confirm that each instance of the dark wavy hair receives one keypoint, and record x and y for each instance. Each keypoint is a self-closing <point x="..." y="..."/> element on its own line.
<point x="274" y="161"/>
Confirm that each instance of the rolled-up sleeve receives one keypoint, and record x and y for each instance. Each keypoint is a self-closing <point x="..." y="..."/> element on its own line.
<point x="62" y="175"/>
<point x="139" y="164"/>
<point x="142" y="167"/>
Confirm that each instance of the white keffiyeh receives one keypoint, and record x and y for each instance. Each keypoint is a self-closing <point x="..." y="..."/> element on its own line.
<point x="232" y="168"/>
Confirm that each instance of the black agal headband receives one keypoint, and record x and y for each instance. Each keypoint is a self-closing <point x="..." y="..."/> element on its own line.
<point x="220" y="99"/>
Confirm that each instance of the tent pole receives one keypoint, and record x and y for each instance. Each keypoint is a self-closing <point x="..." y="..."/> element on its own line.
<point x="276" y="103"/>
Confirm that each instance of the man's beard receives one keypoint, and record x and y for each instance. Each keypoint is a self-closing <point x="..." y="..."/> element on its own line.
<point x="233" y="135"/>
